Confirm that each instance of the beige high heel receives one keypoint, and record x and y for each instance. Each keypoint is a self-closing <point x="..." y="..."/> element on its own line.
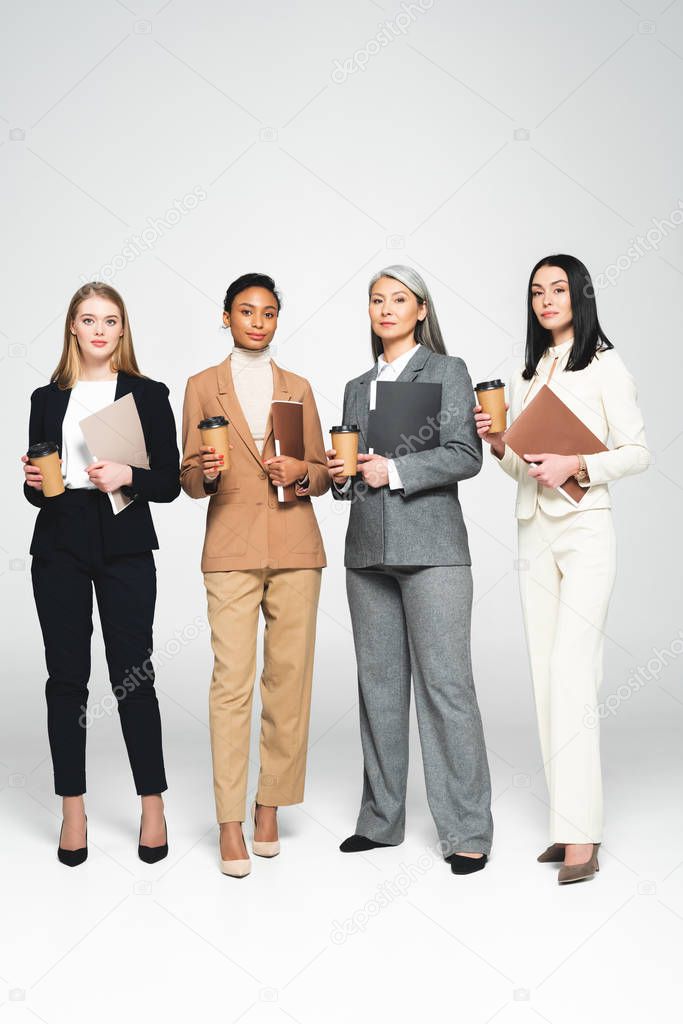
<point x="235" y="868"/>
<point x="263" y="849"/>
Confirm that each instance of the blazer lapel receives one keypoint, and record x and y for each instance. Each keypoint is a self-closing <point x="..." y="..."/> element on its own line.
<point x="361" y="397"/>
<point x="233" y="410"/>
<point x="281" y="393"/>
<point x="415" y="365"/>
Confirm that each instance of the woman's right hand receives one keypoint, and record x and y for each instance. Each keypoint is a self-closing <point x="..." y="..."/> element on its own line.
<point x="335" y="468"/>
<point x="32" y="474"/>
<point x="483" y="421"/>
<point x="211" y="463"/>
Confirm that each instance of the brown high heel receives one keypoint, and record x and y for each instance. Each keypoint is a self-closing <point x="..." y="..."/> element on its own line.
<point x="580" y="872"/>
<point x="553" y="855"/>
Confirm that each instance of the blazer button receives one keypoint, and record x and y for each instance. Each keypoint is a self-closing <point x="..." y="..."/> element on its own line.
<point x="263" y="475"/>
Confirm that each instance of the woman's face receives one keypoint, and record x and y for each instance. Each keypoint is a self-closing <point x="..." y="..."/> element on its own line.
<point x="253" y="318"/>
<point x="550" y="298"/>
<point x="394" y="310"/>
<point x="98" y="326"/>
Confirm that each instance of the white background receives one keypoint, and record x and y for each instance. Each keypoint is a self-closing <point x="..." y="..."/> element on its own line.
<point x="478" y="139"/>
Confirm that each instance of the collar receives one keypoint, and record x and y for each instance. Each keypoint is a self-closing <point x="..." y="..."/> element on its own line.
<point x="399" y="364"/>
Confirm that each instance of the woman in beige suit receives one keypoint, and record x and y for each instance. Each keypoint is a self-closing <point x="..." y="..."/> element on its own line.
<point x="567" y="553"/>
<point x="258" y="554"/>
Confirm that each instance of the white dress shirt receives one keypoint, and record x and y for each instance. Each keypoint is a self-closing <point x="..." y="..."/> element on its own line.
<point x="387" y="372"/>
<point x="87" y="397"/>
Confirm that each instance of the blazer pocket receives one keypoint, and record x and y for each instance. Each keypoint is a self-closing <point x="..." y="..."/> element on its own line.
<point x="303" y="534"/>
<point x="227" y="529"/>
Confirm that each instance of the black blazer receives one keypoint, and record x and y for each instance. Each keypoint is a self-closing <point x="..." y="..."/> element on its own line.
<point x="132" y="531"/>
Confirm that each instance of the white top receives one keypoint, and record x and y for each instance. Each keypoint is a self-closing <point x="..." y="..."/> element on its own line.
<point x="604" y="397"/>
<point x="88" y="396"/>
<point x="252" y="376"/>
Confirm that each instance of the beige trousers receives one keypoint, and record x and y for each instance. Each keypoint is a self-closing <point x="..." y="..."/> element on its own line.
<point x="289" y="600"/>
<point x="566" y="572"/>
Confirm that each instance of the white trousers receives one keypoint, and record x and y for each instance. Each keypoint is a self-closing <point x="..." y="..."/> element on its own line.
<point x="566" y="570"/>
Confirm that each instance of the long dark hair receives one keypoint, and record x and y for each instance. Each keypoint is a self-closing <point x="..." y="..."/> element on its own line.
<point x="589" y="336"/>
<point x="250" y="281"/>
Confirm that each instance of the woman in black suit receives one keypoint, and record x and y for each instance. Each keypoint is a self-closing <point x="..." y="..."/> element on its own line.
<point x="80" y="542"/>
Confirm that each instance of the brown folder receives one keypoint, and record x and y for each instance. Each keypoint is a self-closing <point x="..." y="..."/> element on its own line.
<point x="288" y="434"/>
<point x="548" y="425"/>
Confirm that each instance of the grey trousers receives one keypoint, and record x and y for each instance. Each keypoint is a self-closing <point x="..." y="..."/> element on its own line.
<point x="416" y="620"/>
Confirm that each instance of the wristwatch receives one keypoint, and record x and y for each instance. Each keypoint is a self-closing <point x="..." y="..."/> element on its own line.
<point x="582" y="475"/>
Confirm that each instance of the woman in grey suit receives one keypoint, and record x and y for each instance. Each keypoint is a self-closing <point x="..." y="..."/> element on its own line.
<point x="409" y="586"/>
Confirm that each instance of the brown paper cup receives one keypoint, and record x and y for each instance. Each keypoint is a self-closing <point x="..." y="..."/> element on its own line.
<point x="218" y="438"/>
<point x="345" y="443"/>
<point x="492" y="401"/>
<point x="51" y="471"/>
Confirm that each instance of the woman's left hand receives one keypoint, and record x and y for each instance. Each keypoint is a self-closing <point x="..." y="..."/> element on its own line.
<point x="552" y="470"/>
<point x="374" y="469"/>
<point x="109" y="476"/>
<point x="284" y="470"/>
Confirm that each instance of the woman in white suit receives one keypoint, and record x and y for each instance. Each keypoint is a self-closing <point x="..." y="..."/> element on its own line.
<point x="567" y="553"/>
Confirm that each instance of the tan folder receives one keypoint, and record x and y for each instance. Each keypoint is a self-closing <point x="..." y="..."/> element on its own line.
<point x="115" y="434"/>
<point x="288" y="434"/>
<point x="548" y="425"/>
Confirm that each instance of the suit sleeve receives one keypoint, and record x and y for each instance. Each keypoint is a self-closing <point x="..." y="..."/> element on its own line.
<point x="629" y="453"/>
<point x="35" y="434"/>
<point x="314" y="449"/>
<point x="458" y="455"/>
<point x="161" y="482"/>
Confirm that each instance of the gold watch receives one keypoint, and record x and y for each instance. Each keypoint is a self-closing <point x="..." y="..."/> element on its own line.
<point x="582" y="475"/>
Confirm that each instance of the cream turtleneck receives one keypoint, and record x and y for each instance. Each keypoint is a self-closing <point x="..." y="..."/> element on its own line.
<point x="252" y="376"/>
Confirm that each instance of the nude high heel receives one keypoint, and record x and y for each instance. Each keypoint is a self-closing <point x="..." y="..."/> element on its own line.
<point x="235" y="868"/>
<point x="263" y="849"/>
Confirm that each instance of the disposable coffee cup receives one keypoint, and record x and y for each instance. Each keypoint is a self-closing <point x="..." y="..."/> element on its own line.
<point x="491" y="397"/>
<point x="45" y="455"/>
<point x="345" y="444"/>
<point x="215" y="434"/>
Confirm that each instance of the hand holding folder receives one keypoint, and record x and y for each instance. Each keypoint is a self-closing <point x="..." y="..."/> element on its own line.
<point x="115" y="434"/>
<point x="548" y="425"/>
<point x="288" y="434"/>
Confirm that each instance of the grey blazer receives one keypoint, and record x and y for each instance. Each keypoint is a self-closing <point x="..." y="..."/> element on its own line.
<point x="422" y="524"/>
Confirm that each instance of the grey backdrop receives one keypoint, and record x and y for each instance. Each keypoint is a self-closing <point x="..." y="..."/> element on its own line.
<point x="169" y="148"/>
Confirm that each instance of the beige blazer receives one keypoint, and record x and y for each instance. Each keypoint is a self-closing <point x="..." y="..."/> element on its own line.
<point x="604" y="397"/>
<point x="246" y="526"/>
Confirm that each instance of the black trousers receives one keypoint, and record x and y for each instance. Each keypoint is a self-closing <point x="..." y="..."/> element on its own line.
<point x="125" y="587"/>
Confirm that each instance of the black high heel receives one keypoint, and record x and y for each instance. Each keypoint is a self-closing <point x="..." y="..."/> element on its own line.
<point x="72" y="858"/>
<point x="152" y="854"/>
<point x="466" y="865"/>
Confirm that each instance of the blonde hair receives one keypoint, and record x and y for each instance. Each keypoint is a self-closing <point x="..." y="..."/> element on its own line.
<point x="68" y="368"/>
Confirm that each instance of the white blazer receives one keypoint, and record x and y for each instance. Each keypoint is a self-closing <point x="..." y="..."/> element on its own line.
<point x="604" y="397"/>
